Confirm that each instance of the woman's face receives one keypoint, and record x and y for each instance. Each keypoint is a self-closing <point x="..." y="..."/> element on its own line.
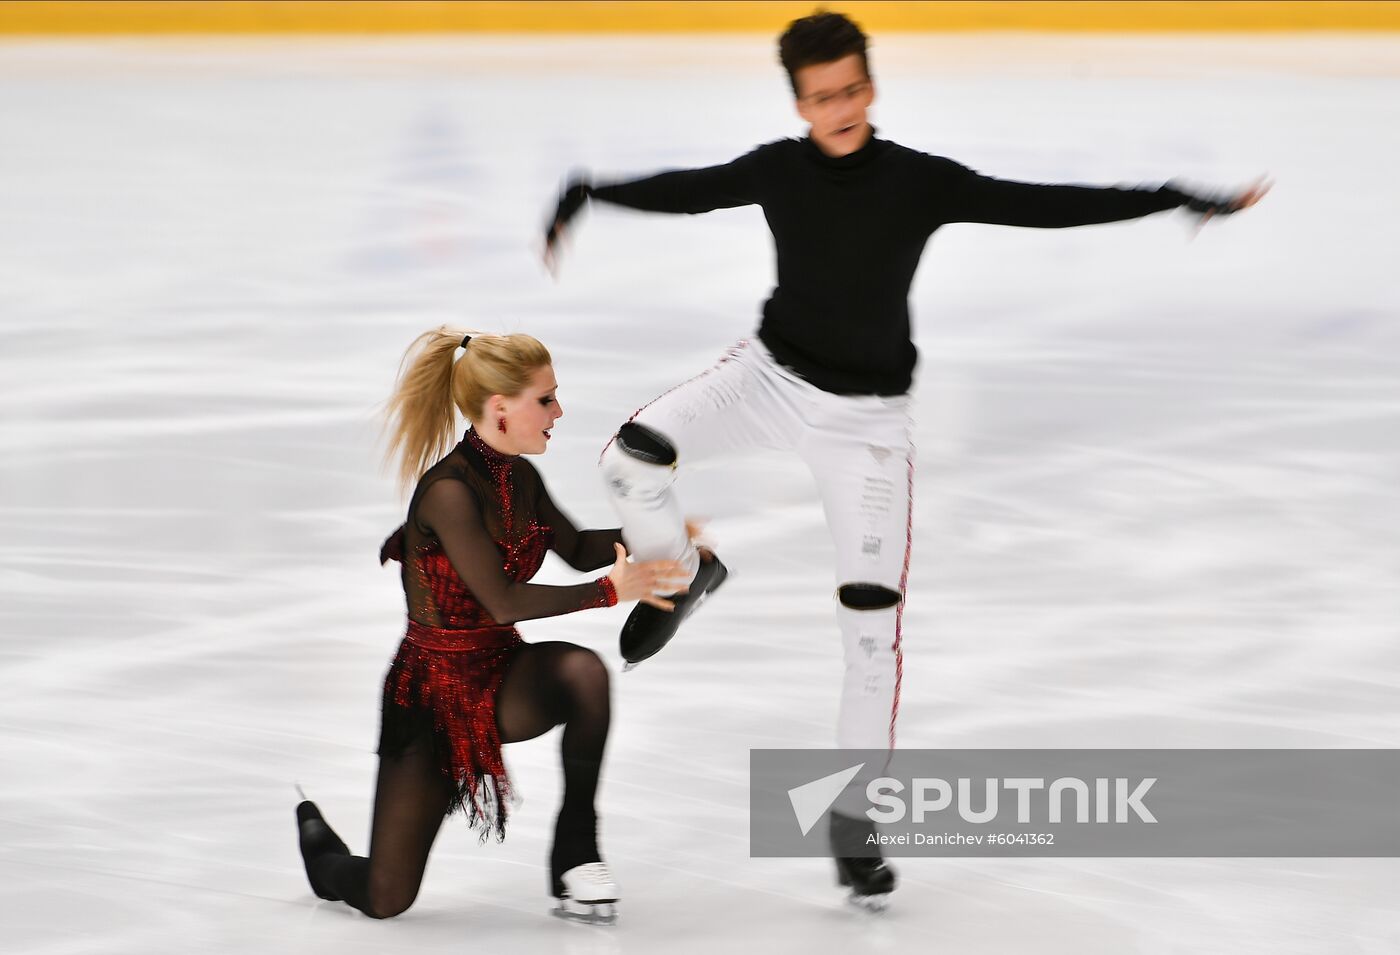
<point x="528" y="416"/>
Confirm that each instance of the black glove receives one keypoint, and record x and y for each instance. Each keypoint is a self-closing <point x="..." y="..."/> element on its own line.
<point x="571" y="200"/>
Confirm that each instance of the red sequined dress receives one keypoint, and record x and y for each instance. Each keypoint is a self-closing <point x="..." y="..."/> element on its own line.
<point x="478" y="527"/>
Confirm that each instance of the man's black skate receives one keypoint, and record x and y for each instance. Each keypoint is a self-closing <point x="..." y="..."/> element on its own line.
<point x="316" y="838"/>
<point x="859" y="864"/>
<point x="648" y="629"/>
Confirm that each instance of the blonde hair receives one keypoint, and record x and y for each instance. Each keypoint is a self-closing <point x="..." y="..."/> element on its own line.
<point x="420" y="424"/>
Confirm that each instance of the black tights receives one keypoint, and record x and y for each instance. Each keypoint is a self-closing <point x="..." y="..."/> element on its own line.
<point x="545" y="685"/>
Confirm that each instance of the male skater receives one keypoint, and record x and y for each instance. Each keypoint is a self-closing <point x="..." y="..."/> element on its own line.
<point x="829" y="374"/>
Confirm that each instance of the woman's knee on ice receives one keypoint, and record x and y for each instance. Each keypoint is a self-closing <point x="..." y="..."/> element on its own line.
<point x="391" y="894"/>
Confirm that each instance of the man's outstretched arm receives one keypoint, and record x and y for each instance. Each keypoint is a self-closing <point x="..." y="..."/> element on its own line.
<point x="680" y="191"/>
<point x="964" y="196"/>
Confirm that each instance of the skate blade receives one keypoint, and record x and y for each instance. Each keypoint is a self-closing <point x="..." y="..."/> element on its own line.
<point x="586" y="913"/>
<point x="869" y="903"/>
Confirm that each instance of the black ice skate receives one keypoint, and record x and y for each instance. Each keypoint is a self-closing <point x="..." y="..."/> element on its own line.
<point x="648" y="629"/>
<point x="316" y="838"/>
<point x="859" y="864"/>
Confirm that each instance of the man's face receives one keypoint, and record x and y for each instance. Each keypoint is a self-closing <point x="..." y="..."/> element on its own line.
<point x="833" y="98"/>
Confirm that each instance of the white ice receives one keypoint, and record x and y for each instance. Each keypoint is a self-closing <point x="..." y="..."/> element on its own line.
<point x="1156" y="499"/>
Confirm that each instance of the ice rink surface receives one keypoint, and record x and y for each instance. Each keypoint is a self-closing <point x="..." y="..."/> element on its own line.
<point x="1156" y="496"/>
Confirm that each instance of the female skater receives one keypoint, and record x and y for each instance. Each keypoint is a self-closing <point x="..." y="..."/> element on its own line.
<point x="463" y="682"/>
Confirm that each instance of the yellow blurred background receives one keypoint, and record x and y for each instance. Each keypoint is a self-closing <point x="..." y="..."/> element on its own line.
<point x="48" y="17"/>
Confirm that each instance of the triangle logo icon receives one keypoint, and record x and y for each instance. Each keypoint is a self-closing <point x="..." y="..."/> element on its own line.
<point x="810" y="801"/>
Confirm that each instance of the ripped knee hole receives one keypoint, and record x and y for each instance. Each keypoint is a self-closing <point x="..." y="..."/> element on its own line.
<point x="867" y="596"/>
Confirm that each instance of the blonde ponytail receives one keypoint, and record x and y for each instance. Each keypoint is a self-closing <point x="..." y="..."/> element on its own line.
<point x="420" y="422"/>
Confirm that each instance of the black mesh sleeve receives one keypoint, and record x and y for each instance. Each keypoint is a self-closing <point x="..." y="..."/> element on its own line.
<point x="451" y="511"/>
<point x="581" y="550"/>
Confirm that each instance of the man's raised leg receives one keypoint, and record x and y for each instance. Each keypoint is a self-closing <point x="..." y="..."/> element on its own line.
<point x="731" y="407"/>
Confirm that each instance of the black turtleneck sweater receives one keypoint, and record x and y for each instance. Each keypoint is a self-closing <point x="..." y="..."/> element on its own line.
<point x="849" y="232"/>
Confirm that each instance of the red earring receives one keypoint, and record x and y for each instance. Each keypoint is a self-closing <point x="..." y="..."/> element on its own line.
<point x="501" y="425"/>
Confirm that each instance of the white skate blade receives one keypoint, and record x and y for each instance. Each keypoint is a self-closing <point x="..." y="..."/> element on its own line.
<point x="586" y="913"/>
<point x="869" y="903"/>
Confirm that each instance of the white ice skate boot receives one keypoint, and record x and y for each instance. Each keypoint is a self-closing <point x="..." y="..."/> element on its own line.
<point x="587" y="893"/>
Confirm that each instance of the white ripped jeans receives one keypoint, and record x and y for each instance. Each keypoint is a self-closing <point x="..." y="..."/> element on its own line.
<point x="858" y="449"/>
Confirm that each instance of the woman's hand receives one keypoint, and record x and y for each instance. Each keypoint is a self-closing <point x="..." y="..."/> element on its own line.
<point x="643" y="580"/>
